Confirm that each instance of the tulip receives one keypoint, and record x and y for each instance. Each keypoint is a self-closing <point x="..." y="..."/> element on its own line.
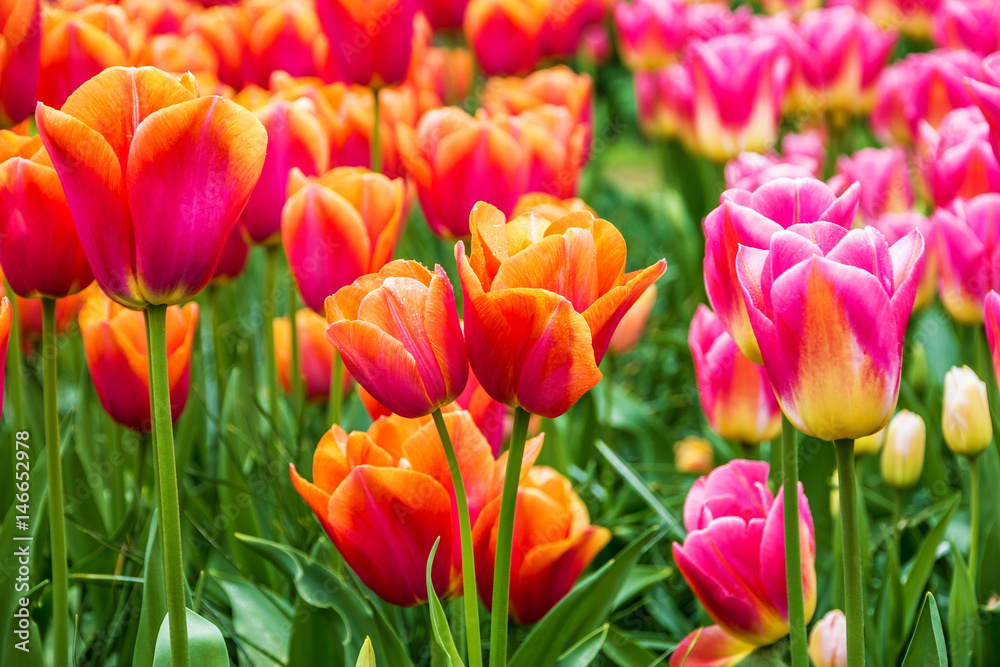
<point x="965" y="419"/>
<point x="651" y="34"/>
<point x="370" y="41"/>
<point x="157" y="235"/>
<point x="114" y="343"/>
<point x="845" y="53"/>
<point x="965" y="24"/>
<point x="751" y="219"/>
<point x="457" y="160"/>
<point x="734" y="539"/>
<point x="828" y="640"/>
<point x="749" y="171"/>
<point x="903" y="455"/>
<point x="20" y="47"/>
<point x="443" y="77"/>
<point x="338" y="227"/>
<point x="735" y="393"/>
<point x="869" y="445"/>
<point x="664" y="102"/>
<point x="158" y="17"/>
<point x="811" y="297"/>
<point x="282" y="39"/>
<point x="987" y="96"/>
<point x="365" y="483"/>
<point x="295" y="140"/>
<point x="693" y="455"/>
<point x="793" y="7"/>
<point x="595" y="45"/>
<point x="79" y="45"/>
<point x="967" y="233"/>
<point x="233" y="259"/>
<point x="445" y="13"/>
<point x="178" y="54"/>
<point x="557" y="146"/>
<point x="895" y="226"/>
<point x="712" y="19"/>
<point x="958" y="159"/>
<point x="565" y="23"/>
<point x="399" y="336"/>
<point x="738" y="87"/>
<point x="29" y="317"/>
<point x="548" y="206"/>
<point x="633" y="323"/>
<point x="225" y="29"/>
<point x="315" y="354"/>
<point x="885" y="178"/>
<point x="554" y="543"/>
<point x="542" y="302"/>
<point x="505" y="35"/>
<point x="912" y="17"/>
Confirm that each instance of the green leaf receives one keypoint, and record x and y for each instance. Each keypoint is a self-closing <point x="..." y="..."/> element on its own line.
<point x="367" y="656"/>
<point x="639" y="486"/>
<point x="319" y="636"/>
<point x="261" y="621"/>
<point x="923" y="563"/>
<point x="927" y="647"/>
<point x="444" y="653"/>
<point x="584" y="651"/>
<point x="625" y="651"/>
<point x="205" y="641"/>
<point x="639" y="579"/>
<point x="583" y="610"/>
<point x="154" y="598"/>
<point x="963" y="618"/>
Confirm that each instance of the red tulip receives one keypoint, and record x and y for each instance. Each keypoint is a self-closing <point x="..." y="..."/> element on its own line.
<point x="20" y="46"/>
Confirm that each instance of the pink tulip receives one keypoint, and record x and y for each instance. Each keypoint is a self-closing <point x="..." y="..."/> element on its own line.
<point x="803" y="155"/>
<point x="751" y="219"/>
<point x="987" y="95"/>
<point x="828" y="640"/>
<point x="884" y="177"/>
<point x="911" y="17"/>
<point x="894" y="226"/>
<point x="966" y="237"/>
<point x="958" y="159"/>
<point x="735" y="393"/>
<point x="968" y="24"/>
<point x="650" y="34"/>
<point x="664" y="102"/>
<point x="813" y="299"/>
<point x="992" y="316"/>
<point x="712" y="19"/>
<point x="735" y="539"/>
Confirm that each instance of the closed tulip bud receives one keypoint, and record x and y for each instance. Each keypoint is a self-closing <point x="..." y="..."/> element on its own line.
<point x="887" y="186"/>
<point x="339" y="227"/>
<point x="965" y="420"/>
<point x="869" y="445"/>
<point x="828" y="640"/>
<point x="694" y="455"/>
<point x="542" y="302"/>
<point x="400" y="337"/>
<point x="633" y="324"/>
<point x="958" y="159"/>
<point x="554" y="543"/>
<point x="987" y="96"/>
<point x="315" y="354"/>
<point x="233" y="258"/>
<point x="810" y="299"/>
<point x="903" y="454"/>
<point x="968" y="24"/>
<point x="370" y="40"/>
<point x="445" y="13"/>
<point x="29" y="316"/>
<point x="20" y="37"/>
<point x="282" y="39"/>
<point x="565" y="23"/>
<point x="387" y="493"/>
<point x="6" y="319"/>
<point x="155" y="178"/>
<point x="457" y="160"/>
<point x="114" y="343"/>
<point x="735" y="393"/>
<point x="967" y="234"/>
<point x="505" y="34"/>
<point x="225" y="28"/>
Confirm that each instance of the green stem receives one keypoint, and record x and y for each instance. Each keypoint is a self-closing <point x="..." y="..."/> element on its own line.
<point x="169" y="503"/>
<point x="336" y="382"/>
<point x="470" y="591"/>
<point x="270" y="262"/>
<point x="793" y="555"/>
<point x="57" y="511"/>
<point x="505" y="539"/>
<point x="897" y="530"/>
<point x="376" y="141"/>
<point x="854" y="606"/>
<point x="217" y="349"/>
<point x="117" y="458"/>
<point x="609" y="393"/>
<point x="974" y="518"/>
<point x="293" y="327"/>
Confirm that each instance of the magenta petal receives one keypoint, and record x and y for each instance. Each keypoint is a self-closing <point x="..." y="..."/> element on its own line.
<point x="772" y="555"/>
<point x="736" y="489"/>
<point x="907" y="265"/>
<point x="791" y="201"/>
<point x="866" y="249"/>
<point x="710" y="647"/>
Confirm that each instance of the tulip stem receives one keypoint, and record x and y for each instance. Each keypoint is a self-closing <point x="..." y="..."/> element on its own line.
<point x="793" y="550"/>
<point x="167" y="496"/>
<point x="336" y="382"/>
<point x="270" y="299"/>
<point x="505" y="539"/>
<point x="376" y="141"/>
<point x="469" y="588"/>
<point x="220" y="363"/>
<point x="974" y="518"/>
<point x="854" y="606"/>
<point x="57" y="511"/>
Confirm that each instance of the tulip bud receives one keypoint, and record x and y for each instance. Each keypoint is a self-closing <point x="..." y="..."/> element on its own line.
<point x="869" y="445"/>
<point x="828" y="641"/>
<point x="903" y="455"/>
<point x="693" y="455"/>
<point x="966" y="414"/>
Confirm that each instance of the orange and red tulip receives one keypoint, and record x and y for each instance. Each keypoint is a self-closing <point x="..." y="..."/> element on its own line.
<point x="505" y="34"/>
<point x="41" y="252"/>
<point x="553" y="544"/>
<point x="457" y="160"/>
<point x="541" y="303"/>
<point x="155" y="178"/>
<point x="183" y="53"/>
<point x="225" y="29"/>
<point x="339" y="227"/>
<point x="558" y="85"/>
<point x="399" y="335"/>
<point x="29" y="316"/>
<point x="281" y="39"/>
<point x="315" y="354"/>
<point x="443" y="77"/>
<point x="385" y="496"/>
<point x="557" y="147"/>
<point x="158" y="17"/>
<point x="20" y="46"/>
<point x="114" y="342"/>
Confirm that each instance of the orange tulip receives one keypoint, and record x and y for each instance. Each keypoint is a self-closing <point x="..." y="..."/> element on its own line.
<point x="385" y="496"/>
<point x="315" y="354"/>
<point x="399" y="336"/>
<point x="548" y="206"/>
<point x="694" y="456"/>
<point x="457" y="160"/>
<point x="20" y="45"/>
<point x="114" y="342"/>
<point x="443" y="77"/>
<point x="225" y="28"/>
<point x="558" y="149"/>
<point x="542" y="301"/>
<point x="558" y="85"/>
<point x="338" y="227"/>
<point x="553" y="544"/>
<point x="155" y="178"/>
<point x="505" y="34"/>
<point x="178" y="54"/>
<point x="158" y="17"/>
<point x="29" y="316"/>
<point x="6" y="318"/>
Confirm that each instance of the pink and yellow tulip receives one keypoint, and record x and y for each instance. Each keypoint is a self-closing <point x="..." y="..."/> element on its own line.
<point x="966" y="242"/>
<point x="885" y="178"/>
<point x="968" y="24"/>
<point x="505" y="35"/>
<point x="828" y="640"/>
<point x="958" y="158"/>
<point x="651" y="34"/>
<point x="987" y="95"/>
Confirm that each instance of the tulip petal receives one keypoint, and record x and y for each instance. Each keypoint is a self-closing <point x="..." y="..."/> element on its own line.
<point x="772" y="552"/>
<point x="710" y="647"/>
<point x="317" y="499"/>
<point x="605" y="314"/>
<point x="907" y="265"/>
<point x="564" y="264"/>
<point x="609" y="241"/>
<point x="737" y="489"/>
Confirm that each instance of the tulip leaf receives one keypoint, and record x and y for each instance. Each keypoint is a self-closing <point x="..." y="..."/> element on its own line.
<point x="927" y="647"/>
<point x="640" y="487"/>
<point x="318" y="636"/>
<point x="444" y="653"/>
<point x="154" y="598"/>
<point x="261" y="621"/>
<point x="623" y="650"/>
<point x="923" y="563"/>
<point x="639" y="579"/>
<point x="205" y="642"/>
<point x="367" y="656"/>
<point x="584" y="609"/>
<point x="963" y="618"/>
<point x="584" y="651"/>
